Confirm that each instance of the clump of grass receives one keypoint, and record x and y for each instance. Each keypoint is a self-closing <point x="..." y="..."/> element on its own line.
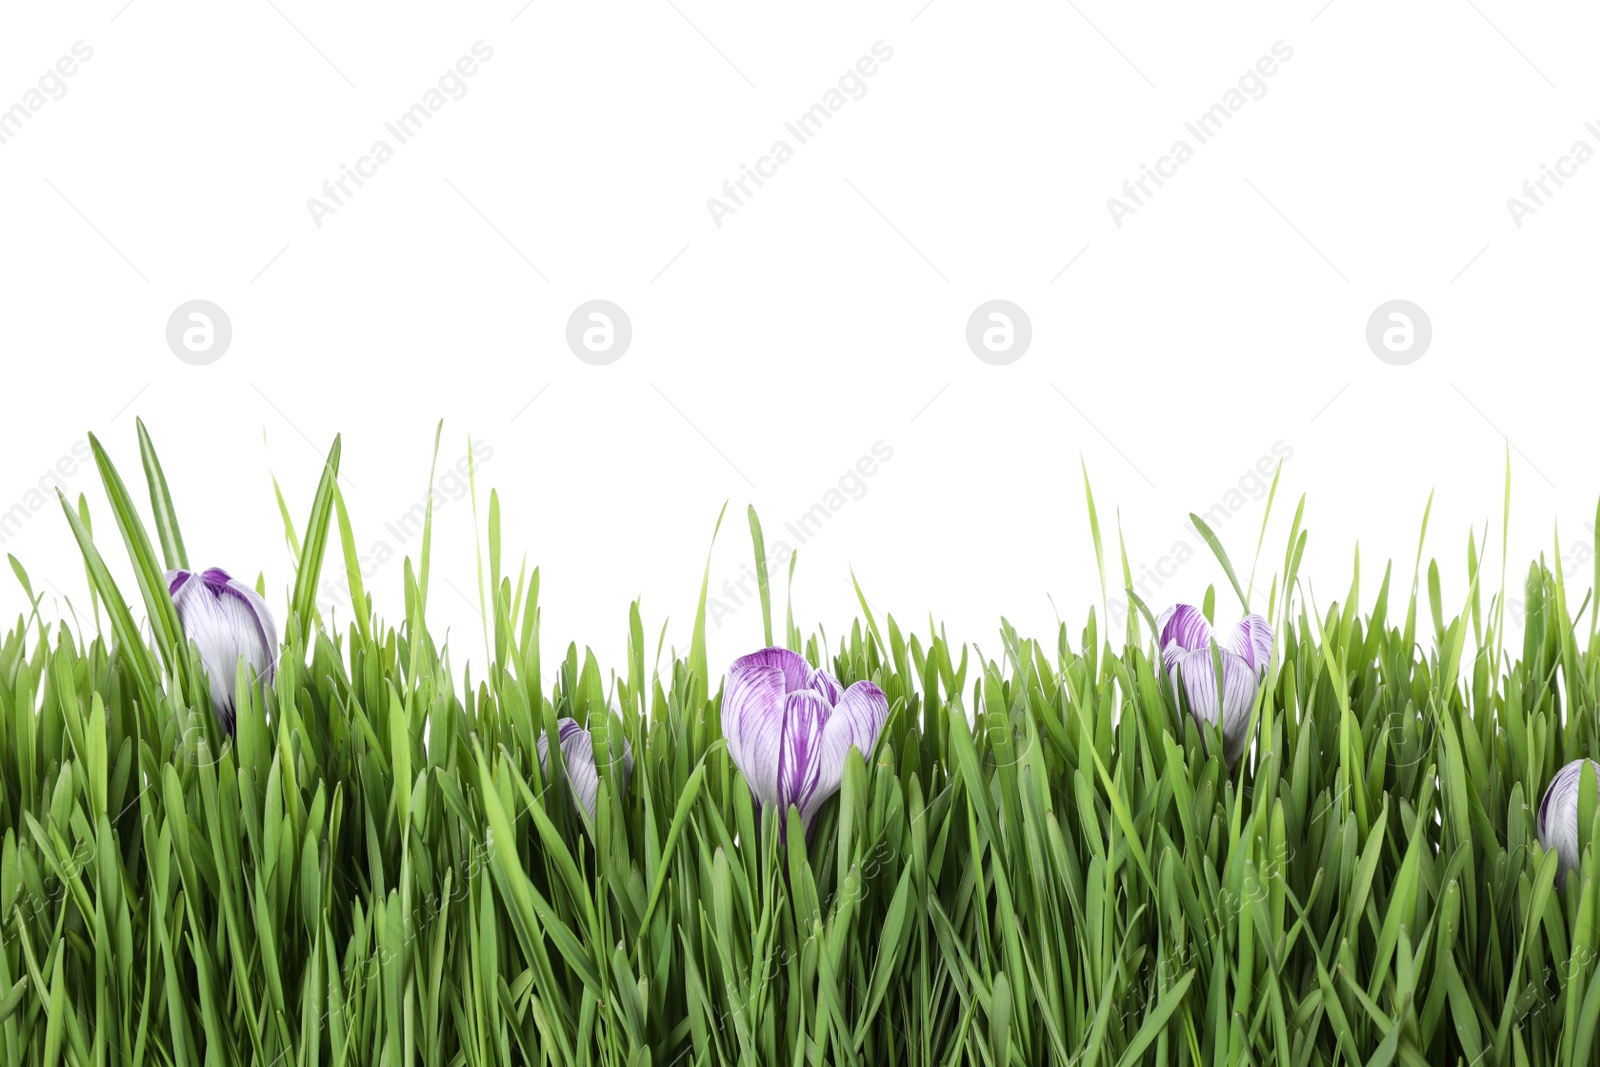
<point x="1038" y="863"/>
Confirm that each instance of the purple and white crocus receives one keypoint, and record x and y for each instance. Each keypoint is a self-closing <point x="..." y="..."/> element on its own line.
<point x="1184" y="637"/>
<point x="789" y="728"/>
<point x="225" y="619"/>
<point x="1557" y="824"/>
<point x="577" y="756"/>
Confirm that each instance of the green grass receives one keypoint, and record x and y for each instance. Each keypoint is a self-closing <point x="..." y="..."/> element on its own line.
<point x="1037" y="865"/>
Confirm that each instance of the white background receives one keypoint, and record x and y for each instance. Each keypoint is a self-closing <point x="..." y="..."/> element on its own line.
<point x="1227" y="315"/>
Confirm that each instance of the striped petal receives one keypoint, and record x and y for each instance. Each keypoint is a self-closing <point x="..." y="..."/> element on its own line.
<point x="1251" y="640"/>
<point x="215" y="635"/>
<point x="252" y="620"/>
<point x="1558" y="813"/>
<point x="752" y="721"/>
<point x="216" y="579"/>
<point x="800" y="762"/>
<point x="789" y="727"/>
<point x="827" y="685"/>
<point x="577" y="756"/>
<point x="1181" y="628"/>
<point x="226" y="619"/>
<point x="856" y="722"/>
<point x="796" y="671"/>
<point x="1239" y="684"/>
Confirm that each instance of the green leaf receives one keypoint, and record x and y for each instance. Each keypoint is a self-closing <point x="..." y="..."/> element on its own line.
<point x="352" y="568"/>
<point x="1222" y="557"/>
<point x="762" y="576"/>
<point x="161" y="503"/>
<point x="303" y="601"/>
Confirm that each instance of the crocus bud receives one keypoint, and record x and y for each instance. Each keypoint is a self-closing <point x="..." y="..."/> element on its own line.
<point x="577" y="754"/>
<point x="789" y="728"/>
<point x="1184" y="637"/>
<point x="1557" y="824"/>
<point x="225" y="619"/>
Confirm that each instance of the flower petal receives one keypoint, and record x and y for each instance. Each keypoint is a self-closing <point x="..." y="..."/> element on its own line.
<point x="216" y="579"/>
<point x="856" y="722"/>
<point x="1239" y="684"/>
<point x="215" y="635"/>
<point x="251" y="616"/>
<point x="752" y="721"/>
<point x="796" y="671"/>
<point x="1252" y="640"/>
<point x="577" y="756"/>
<point x="225" y="619"/>
<point x="1181" y="628"/>
<point x="1557" y="823"/>
<point x="800" y="761"/>
<point x="827" y="685"/>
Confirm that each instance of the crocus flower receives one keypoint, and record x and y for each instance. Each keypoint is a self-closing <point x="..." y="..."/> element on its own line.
<point x="789" y="728"/>
<point x="577" y="754"/>
<point x="1184" y="637"/>
<point x="225" y="619"/>
<point x="1557" y="824"/>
